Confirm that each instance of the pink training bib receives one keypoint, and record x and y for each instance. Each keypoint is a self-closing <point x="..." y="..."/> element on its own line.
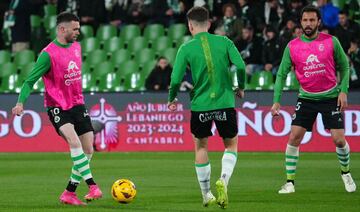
<point x="314" y="63"/>
<point x="63" y="81"/>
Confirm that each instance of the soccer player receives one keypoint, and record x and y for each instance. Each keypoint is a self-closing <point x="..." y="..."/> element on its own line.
<point x="316" y="58"/>
<point x="212" y="99"/>
<point x="59" y="65"/>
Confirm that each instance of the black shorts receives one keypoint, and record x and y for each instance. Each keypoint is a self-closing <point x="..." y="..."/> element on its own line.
<point x="78" y="116"/>
<point x="225" y="121"/>
<point x="307" y="110"/>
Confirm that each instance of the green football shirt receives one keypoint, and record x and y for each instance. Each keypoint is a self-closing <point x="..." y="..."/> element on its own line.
<point x="209" y="58"/>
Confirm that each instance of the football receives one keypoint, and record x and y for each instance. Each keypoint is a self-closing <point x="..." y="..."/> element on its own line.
<point x="123" y="191"/>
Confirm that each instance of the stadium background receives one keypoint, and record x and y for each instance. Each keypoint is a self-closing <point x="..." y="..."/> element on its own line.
<point x="119" y="56"/>
<point x="117" y="60"/>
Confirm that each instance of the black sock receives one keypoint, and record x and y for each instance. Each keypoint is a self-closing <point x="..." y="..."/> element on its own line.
<point x="90" y="182"/>
<point x="291" y="181"/>
<point x="72" y="186"/>
<point x="342" y="172"/>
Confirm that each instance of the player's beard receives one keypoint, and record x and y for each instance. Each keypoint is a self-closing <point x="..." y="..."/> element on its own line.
<point x="70" y="39"/>
<point x="311" y="33"/>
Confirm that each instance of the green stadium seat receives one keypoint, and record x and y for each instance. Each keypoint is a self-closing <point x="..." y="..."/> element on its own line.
<point x="49" y="10"/>
<point x="134" y="82"/>
<point x="85" y="67"/>
<point x="24" y="57"/>
<point x="9" y="83"/>
<point x="137" y="44"/>
<point x="153" y="31"/>
<point x="177" y="31"/>
<point x="98" y="81"/>
<point x="161" y="43"/>
<point x="89" y="44"/>
<point x="262" y="80"/>
<point x="113" y="44"/>
<point x="129" y="32"/>
<point x="86" y="31"/>
<point x="110" y="83"/>
<point x="291" y="83"/>
<point x="144" y="55"/>
<point x="86" y="81"/>
<point x="8" y="77"/>
<point x="126" y="67"/>
<point x="120" y="56"/>
<point x="148" y="67"/>
<point x="50" y="23"/>
<point x="95" y="57"/>
<point x="52" y="33"/>
<point x="5" y="56"/>
<point x="170" y="54"/>
<point x="7" y="69"/>
<point x="39" y="39"/>
<point x="35" y="21"/>
<point x="183" y="40"/>
<point x="25" y="72"/>
<point x="106" y="32"/>
<point x="102" y="69"/>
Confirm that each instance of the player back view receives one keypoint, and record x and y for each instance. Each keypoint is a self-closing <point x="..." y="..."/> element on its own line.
<point x="212" y="98"/>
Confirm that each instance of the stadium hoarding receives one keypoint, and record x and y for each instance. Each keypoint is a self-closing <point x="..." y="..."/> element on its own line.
<point x="141" y="122"/>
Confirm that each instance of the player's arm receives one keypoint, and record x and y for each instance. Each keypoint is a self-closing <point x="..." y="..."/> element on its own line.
<point x="177" y="76"/>
<point x="285" y="67"/>
<point x="342" y="65"/>
<point x="237" y="60"/>
<point x="41" y="66"/>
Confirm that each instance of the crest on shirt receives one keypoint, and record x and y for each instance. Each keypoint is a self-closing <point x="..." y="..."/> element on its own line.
<point x="77" y="53"/>
<point x="321" y="47"/>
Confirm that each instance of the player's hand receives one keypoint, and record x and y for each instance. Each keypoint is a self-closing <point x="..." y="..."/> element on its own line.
<point x="275" y="109"/>
<point x="172" y="105"/>
<point x="239" y="93"/>
<point x="18" y="109"/>
<point x="342" y="101"/>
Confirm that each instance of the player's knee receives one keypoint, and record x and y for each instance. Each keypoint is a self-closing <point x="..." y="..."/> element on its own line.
<point x="230" y="143"/>
<point x="295" y="138"/>
<point x="89" y="150"/>
<point x="339" y="142"/>
<point x="73" y="141"/>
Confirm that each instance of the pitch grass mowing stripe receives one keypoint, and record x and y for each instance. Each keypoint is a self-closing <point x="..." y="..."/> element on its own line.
<point x="167" y="182"/>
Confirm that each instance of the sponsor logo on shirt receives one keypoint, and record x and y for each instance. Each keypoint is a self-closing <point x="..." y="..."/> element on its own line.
<point x="73" y="73"/>
<point x="311" y="64"/>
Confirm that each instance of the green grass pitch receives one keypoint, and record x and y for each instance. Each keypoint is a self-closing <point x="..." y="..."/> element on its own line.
<point x="167" y="182"/>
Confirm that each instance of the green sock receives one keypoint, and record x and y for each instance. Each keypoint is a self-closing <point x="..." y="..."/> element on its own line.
<point x="343" y="155"/>
<point x="81" y="163"/>
<point x="291" y="159"/>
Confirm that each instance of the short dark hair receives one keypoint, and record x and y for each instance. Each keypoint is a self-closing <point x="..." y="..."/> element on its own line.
<point x="66" y="17"/>
<point x="343" y="12"/>
<point x="232" y="6"/>
<point x="198" y="14"/>
<point x="311" y="8"/>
